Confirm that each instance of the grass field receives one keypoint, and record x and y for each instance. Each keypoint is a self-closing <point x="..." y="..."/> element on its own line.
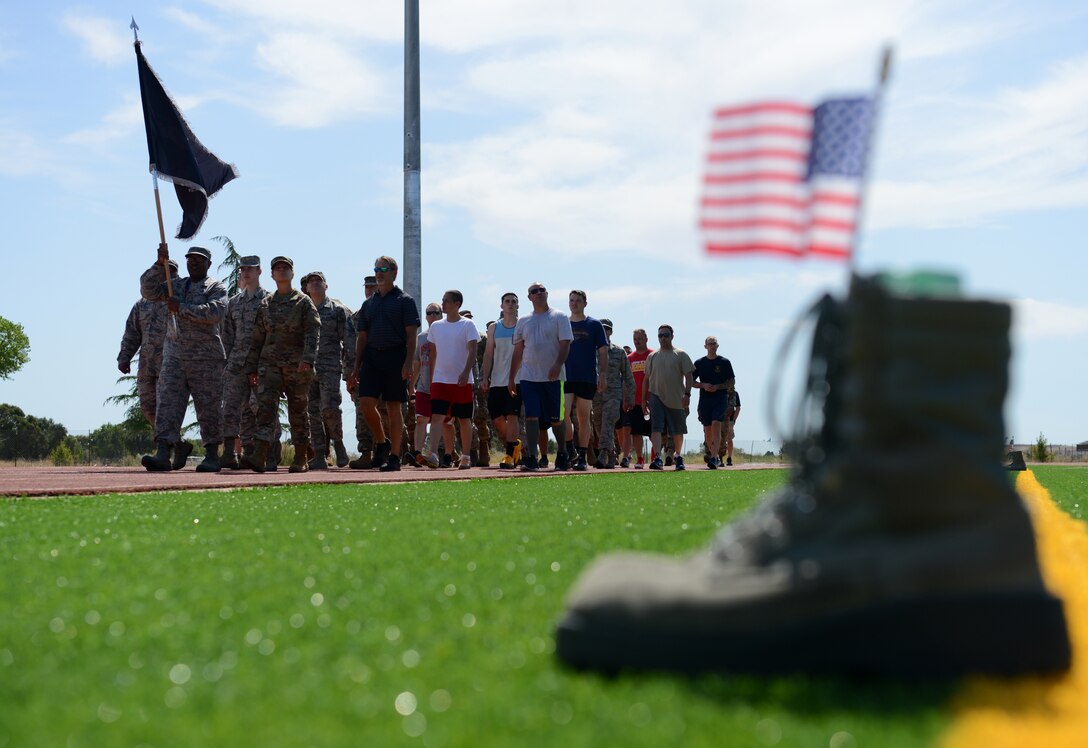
<point x="382" y="615"/>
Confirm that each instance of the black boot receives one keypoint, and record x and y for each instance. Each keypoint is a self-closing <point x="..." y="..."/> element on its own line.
<point x="256" y="460"/>
<point x="158" y="462"/>
<point x="182" y="450"/>
<point x="341" y="453"/>
<point x="229" y="460"/>
<point x="275" y="454"/>
<point x="211" y="463"/>
<point x="898" y="548"/>
<point x="318" y="461"/>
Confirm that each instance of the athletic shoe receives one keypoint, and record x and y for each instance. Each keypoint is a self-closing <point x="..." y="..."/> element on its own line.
<point x="391" y="465"/>
<point x="466" y="462"/>
<point x="712" y="463"/>
<point x="543" y="463"/>
<point x="625" y="462"/>
<point x="640" y="465"/>
<point x="657" y="464"/>
<point x="668" y="460"/>
<point x="679" y="463"/>
<point x="580" y="463"/>
<point x="507" y="463"/>
<point x="381" y="454"/>
<point x="729" y="461"/>
<point x="429" y="461"/>
<point x="530" y="466"/>
<point x="447" y="460"/>
<point x="562" y="462"/>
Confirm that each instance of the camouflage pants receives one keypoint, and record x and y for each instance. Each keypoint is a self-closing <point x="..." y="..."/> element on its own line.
<point x="146" y="384"/>
<point x="274" y="381"/>
<point x="240" y="409"/>
<point x="606" y="412"/>
<point x="326" y="422"/>
<point x="178" y="379"/>
<point x="481" y="427"/>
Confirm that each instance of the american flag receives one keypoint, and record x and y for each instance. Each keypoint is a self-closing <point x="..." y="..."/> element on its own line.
<point x="786" y="178"/>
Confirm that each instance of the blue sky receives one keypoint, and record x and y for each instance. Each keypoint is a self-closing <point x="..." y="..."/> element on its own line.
<point x="562" y="142"/>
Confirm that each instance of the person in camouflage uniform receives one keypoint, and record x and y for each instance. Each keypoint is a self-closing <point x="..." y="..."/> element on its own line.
<point x="481" y="418"/>
<point x="192" y="359"/>
<point x="145" y="331"/>
<point x="239" y="397"/>
<point x="335" y="356"/>
<point x="281" y="359"/>
<point x="618" y="395"/>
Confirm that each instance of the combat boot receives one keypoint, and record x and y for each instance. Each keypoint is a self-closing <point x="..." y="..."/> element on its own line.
<point x="211" y="463"/>
<point x="182" y="450"/>
<point x="897" y="549"/>
<point x="256" y="460"/>
<point x="341" y="453"/>
<point x="318" y="461"/>
<point x="300" y="463"/>
<point x="275" y="455"/>
<point x="229" y="460"/>
<point x="158" y="462"/>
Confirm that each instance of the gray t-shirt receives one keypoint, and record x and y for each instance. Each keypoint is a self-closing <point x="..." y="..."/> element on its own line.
<point x="542" y="333"/>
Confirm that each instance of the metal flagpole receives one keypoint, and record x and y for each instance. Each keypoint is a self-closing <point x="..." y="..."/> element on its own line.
<point x="878" y="97"/>
<point x="413" y="260"/>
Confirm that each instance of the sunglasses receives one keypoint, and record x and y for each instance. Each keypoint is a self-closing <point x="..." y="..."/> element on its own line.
<point x="534" y="291"/>
<point x="433" y="313"/>
<point x="382" y="269"/>
<point x="664" y="335"/>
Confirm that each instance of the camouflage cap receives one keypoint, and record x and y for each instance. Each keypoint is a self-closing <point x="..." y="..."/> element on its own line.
<point x="370" y="280"/>
<point x="315" y="274"/>
<point x="199" y="252"/>
<point x="284" y="259"/>
<point x="173" y="264"/>
<point x="250" y="261"/>
<point x="606" y="323"/>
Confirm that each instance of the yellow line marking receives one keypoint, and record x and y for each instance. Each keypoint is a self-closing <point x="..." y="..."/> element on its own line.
<point x="1049" y="712"/>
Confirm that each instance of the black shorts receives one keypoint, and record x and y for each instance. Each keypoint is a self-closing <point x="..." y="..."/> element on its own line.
<point x="636" y="421"/>
<point x="380" y="374"/>
<point x="501" y="403"/>
<point x="584" y="390"/>
<point x="711" y="407"/>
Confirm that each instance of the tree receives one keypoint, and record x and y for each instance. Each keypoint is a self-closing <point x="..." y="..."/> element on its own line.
<point x="14" y="348"/>
<point x="27" y="437"/>
<point x="233" y="261"/>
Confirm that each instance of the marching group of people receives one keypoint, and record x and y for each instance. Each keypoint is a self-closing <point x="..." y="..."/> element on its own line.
<point x="236" y="358"/>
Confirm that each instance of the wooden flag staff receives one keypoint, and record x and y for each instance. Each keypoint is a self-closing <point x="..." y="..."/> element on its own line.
<point x="158" y="202"/>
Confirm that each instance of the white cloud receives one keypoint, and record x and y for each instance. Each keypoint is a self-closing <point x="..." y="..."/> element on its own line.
<point x="324" y="82"/>
<point x="1035" y="318"/>
<point x="195" y="23"/>
<point x="106" y="40"/>
<point x="119" y="123"/>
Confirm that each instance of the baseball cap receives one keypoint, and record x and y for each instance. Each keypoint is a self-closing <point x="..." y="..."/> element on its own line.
<point x="282" y="258"/>
<point x="199" y="252"/>
<point x="250" y="261"/>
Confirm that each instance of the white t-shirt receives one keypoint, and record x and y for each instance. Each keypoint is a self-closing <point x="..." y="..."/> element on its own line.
<point x="450" y="341"/>
<point x="542" y="333"/>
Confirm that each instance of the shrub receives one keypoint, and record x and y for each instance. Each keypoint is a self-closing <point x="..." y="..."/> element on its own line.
<point x="1040" y="451"/>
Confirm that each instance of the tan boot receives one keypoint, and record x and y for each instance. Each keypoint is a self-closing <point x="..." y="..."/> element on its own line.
<point x="257" y="459"/>
<point x="303" y="454"/>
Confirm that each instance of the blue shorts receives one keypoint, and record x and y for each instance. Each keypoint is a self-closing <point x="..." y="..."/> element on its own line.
<point x="542" y="400"/>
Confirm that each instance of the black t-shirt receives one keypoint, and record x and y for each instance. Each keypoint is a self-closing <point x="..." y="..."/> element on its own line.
<point x="384" y="318"/>
<point x="714" y="371"/>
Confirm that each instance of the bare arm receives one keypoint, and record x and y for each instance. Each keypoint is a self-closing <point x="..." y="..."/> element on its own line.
<point x="515" y="364"/>
<point x="564" y="349"/>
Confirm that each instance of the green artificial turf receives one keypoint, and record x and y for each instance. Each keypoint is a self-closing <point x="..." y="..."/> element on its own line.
<point x="378" y="615"/>
<point x="1068" y="487"/>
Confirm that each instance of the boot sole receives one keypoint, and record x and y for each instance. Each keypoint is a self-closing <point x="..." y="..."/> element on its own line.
<point x="1000" y="634"/>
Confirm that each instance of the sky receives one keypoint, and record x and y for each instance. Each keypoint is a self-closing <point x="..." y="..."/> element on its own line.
<point x="562" y="143"/>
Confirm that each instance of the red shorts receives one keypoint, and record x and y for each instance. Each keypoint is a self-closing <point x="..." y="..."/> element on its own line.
<point x="453" y="400"/>
<point x="423" y="404"/>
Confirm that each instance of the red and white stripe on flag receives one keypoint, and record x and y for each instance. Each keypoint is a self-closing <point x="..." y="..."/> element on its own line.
<point x="758" y="195"/>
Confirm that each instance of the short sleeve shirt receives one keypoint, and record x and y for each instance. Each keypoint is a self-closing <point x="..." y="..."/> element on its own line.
<point x="542" y="333"/>
<point x="384" y="319"/>
<point x="715" y="370"/>
<point x="666" y="370"/>
<point x="449" y="344"/>
<point x="582" y="360"/>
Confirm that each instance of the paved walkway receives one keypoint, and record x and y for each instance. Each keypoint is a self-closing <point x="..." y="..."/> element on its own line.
<point x="88" y="480"/>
